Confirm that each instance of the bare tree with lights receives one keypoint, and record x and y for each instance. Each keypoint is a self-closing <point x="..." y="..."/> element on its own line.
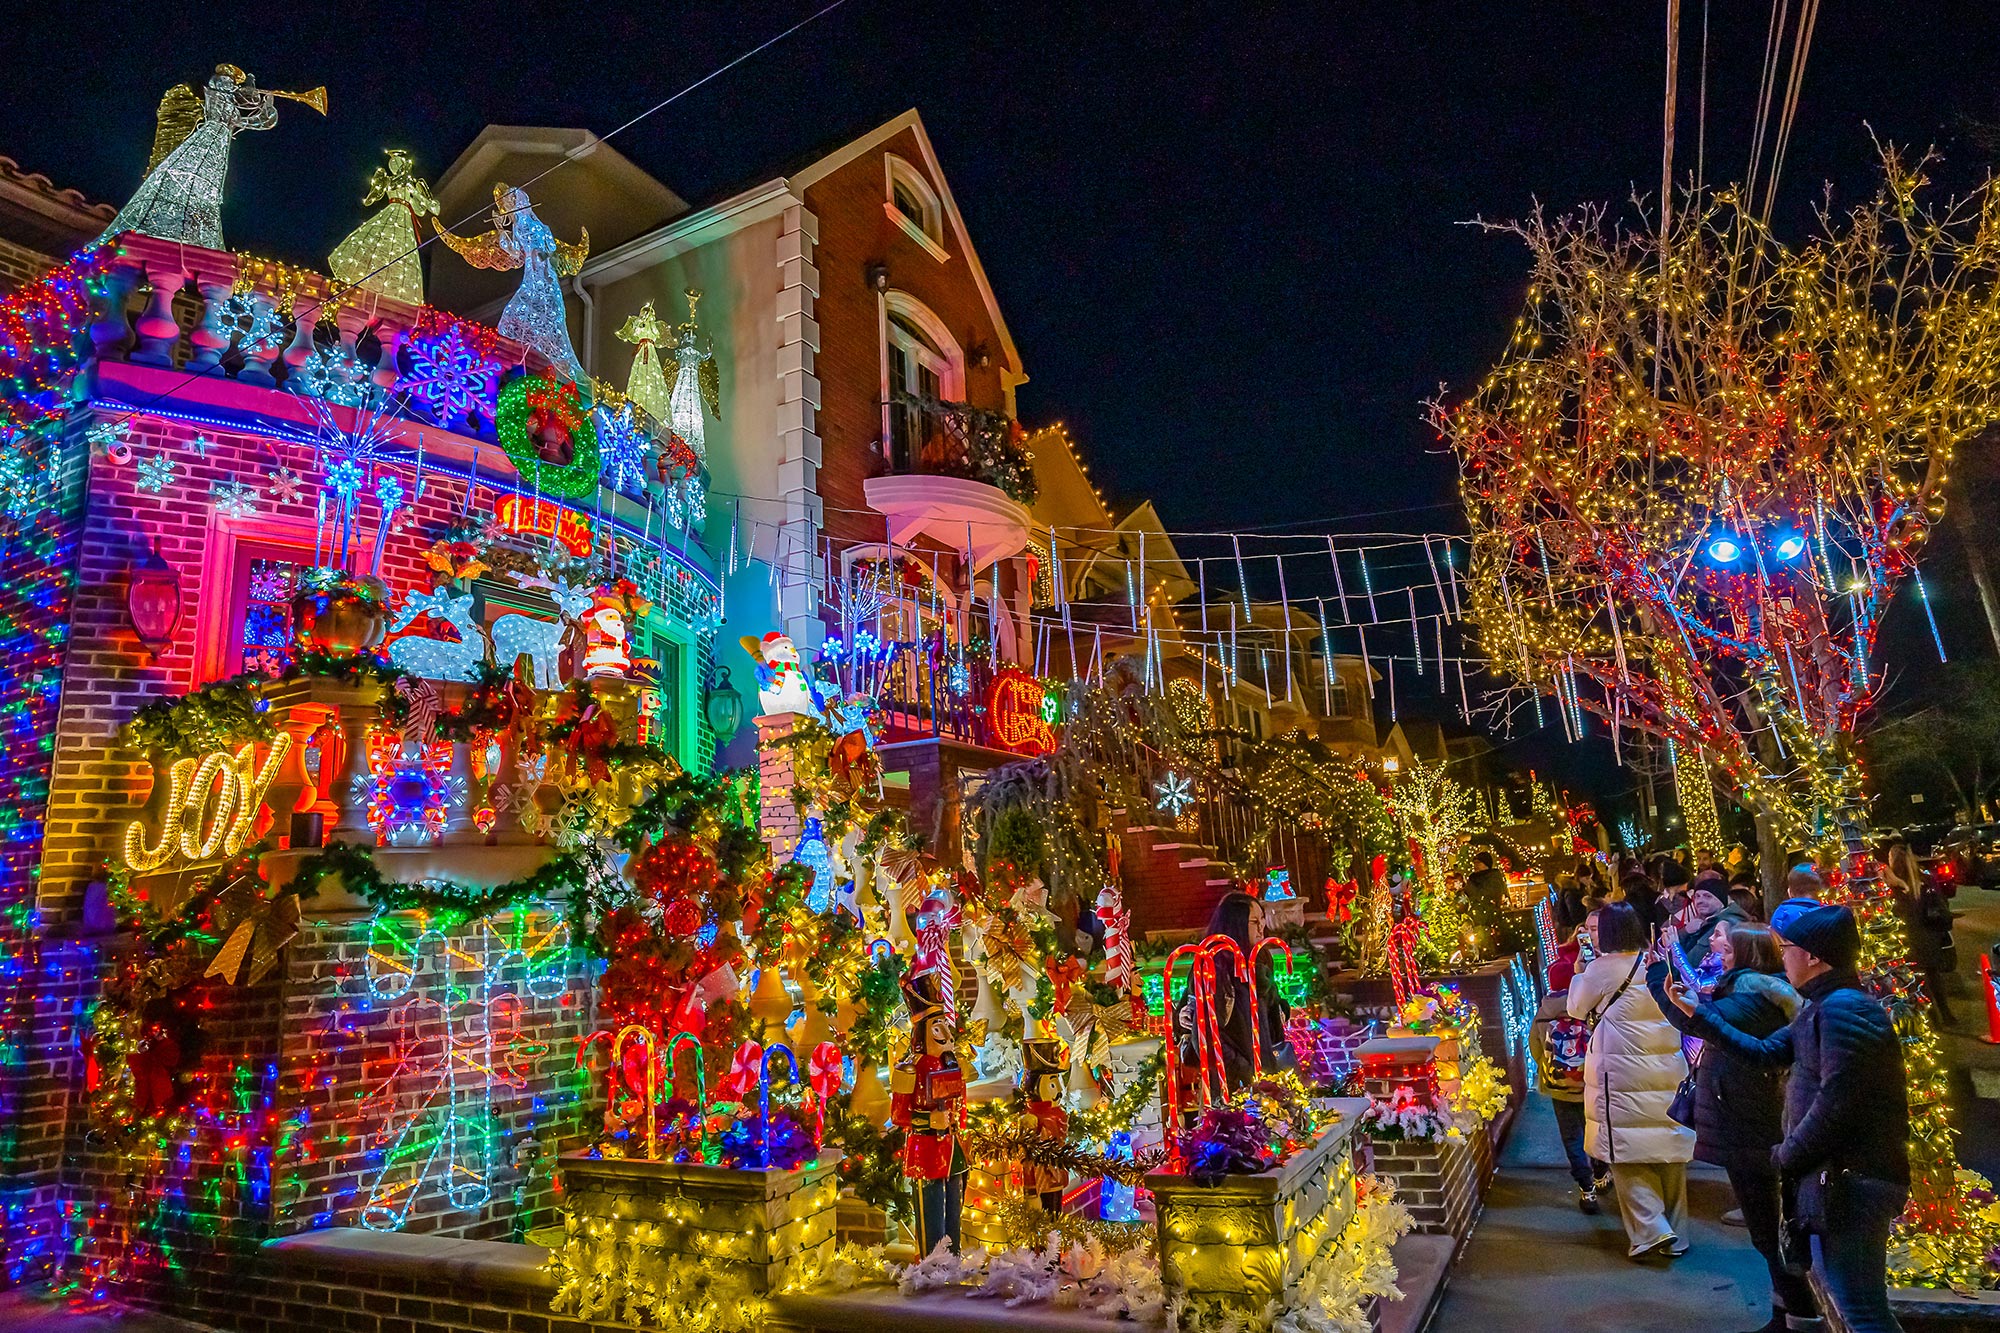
<point x="1703" y="467"/>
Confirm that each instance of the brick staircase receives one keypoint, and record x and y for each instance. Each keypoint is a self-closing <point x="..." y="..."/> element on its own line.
<point x="1170" y="884"/>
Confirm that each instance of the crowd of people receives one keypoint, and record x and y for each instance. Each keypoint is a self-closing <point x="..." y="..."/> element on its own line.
<point x="1681" y="1025"/>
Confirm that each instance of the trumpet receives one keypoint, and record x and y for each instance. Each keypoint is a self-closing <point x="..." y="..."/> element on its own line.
<point x="316" y="99"/>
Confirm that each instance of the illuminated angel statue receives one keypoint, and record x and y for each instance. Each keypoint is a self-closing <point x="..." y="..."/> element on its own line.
<point x="519" y="239"/>
<point x="181" y="197"/>
<point x="381" y="254"/>
<point x="697" y="385"/>
<point x="647" y="384"/>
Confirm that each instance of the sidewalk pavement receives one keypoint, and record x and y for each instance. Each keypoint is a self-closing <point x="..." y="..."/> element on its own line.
<point x="1535" y="1262"/>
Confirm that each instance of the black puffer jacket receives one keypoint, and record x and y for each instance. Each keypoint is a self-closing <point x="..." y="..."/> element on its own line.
<point x="1846" y="1108"/>
<point x="1739" y="1107"/>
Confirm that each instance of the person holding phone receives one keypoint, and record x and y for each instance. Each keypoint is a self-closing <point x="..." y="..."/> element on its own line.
<point x="1738" y="1105"/>
<point x="1847" y="1114"/>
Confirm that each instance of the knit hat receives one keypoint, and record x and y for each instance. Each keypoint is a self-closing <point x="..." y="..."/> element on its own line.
<point x="1827" y="933"/>
<point x="1788" y="911"/>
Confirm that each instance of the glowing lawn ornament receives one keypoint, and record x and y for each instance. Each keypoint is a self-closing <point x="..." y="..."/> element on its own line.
<point x="1173" y="794"/>
<point x="458" y="1000"/>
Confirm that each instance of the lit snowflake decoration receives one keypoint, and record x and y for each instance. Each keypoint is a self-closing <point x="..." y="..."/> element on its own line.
<point x="285" y="487"/>
<point x="155" y="474"/>
<point x="410" y="790"/>
<point x="233" y="498"/>
<point x="447" y="375"/>
<point x="106" y="436"/>
<point x="958" y="677"/>
<point x="389" y="493"/>
<point x="336" y="375"/>
<point x="20" y="484"/>
<point x="1173" y="793"/>
<point x="249" y="322"/>
<point x="623" y="444"/>
<point x="344" y="479"/>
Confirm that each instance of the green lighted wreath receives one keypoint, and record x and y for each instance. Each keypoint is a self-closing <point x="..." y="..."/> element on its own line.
<point x="535" y="414"/>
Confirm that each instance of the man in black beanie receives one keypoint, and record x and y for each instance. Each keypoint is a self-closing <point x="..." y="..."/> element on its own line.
<point x="1847" y="1114"/>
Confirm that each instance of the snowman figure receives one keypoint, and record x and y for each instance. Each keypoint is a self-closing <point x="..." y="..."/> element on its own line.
<point x="782" y="685"/>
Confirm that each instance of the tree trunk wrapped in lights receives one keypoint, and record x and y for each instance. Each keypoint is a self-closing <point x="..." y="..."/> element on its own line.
<point x="1696" y="535"/>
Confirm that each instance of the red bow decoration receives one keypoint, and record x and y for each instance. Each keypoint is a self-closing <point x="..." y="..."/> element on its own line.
<point x="825" y="1072"/>
<point x="1377" y="870"/>
<point x="1340" y="898"/>
<point x="744" y="1073"/>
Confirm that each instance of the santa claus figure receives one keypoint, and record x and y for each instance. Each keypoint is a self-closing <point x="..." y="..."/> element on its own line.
<point x="605" y="655"/>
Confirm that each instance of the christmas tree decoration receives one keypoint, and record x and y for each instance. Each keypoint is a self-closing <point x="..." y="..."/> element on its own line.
<point x="181" y="196"/>
<point x="548" y="433"/>
<point x="154" y="473"/>
<point x="534" y="317"/>
<point x="1696" y="480"/>
<point x="233" y="499"/>
<point x="381" y="254"/>
<point x="448" y="374"/>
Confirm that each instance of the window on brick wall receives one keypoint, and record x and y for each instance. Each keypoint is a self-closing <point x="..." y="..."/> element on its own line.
<point x="914" y="206"/>
<point x="921" y="367"/>
<point x="260" y="609"/>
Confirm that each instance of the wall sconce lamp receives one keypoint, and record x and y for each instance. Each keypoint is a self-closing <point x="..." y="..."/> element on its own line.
<point x="153" y="601"/>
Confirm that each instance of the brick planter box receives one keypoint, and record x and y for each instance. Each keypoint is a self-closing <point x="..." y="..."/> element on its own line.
<point x="754" y="1224"/>
<point x="1240" y="1243"/>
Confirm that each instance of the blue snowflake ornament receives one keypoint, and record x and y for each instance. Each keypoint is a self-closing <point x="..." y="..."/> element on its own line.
<point x="622" y="445"/>
<point x="447" y="375"/>
<point x="336" y="375"/>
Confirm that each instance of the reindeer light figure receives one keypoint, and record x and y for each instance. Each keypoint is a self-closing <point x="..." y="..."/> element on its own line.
<point x="515" y="634"/>
<point x="439" y="659"/>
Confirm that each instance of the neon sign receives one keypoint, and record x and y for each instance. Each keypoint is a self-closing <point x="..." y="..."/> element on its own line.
<point x="540" y="518"/>
<point x="211" y="809"/>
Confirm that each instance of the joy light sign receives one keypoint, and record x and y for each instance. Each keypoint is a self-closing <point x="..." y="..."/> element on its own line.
<point x="211" y="808"/>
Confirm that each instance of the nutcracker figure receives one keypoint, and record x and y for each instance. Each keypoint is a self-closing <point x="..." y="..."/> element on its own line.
<point x="928" y="1102"/>
<point x="1043" y="1077"/>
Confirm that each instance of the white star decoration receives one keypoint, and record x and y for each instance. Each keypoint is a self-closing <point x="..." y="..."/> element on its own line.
<point x="1173" y="793"/>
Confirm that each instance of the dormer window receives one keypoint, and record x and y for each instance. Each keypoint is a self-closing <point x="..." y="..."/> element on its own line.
<point x="913" y="205"/>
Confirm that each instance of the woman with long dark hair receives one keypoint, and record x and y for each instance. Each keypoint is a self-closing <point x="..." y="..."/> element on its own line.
<point x="1241" y="918"/>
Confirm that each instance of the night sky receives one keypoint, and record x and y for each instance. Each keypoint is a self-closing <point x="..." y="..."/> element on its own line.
<point x="1223" y="236"/>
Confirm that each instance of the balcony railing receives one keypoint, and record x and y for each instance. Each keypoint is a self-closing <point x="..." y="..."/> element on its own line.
<point x="948" y="439"/>
<point x="268" y="325"/>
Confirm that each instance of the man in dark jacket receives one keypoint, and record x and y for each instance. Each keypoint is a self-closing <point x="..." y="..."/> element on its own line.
<point x="1847" y="1113"/>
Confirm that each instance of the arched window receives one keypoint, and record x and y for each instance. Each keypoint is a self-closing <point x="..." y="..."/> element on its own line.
<point x="913" y="205"/>
<point x="922" y="367"/>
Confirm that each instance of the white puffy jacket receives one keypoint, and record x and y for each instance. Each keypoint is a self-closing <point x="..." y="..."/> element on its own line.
<point x="1632" y="1070"/>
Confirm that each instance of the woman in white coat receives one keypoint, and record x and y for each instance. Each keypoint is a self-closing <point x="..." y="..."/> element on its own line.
<point x="1630" y="1074"/>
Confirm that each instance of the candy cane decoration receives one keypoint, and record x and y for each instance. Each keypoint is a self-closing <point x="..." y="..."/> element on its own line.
<point x="700" y="1082"/>
<point x="1118" y="953"/>
<point x="630" y="1032"/>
